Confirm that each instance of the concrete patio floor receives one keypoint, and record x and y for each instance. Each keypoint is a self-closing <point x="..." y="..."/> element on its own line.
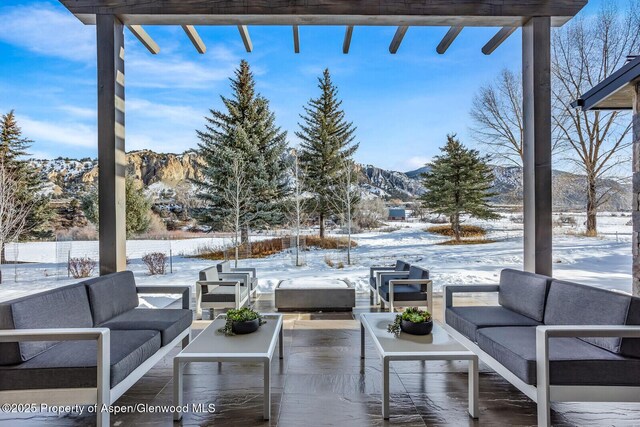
<point x="322" y="382"/>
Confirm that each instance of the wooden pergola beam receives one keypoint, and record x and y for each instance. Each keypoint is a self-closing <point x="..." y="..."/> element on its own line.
<point x="397" y="39"/>
<point x="449" y="38"/>
<point x="195" y="38"/>
<point x="346" y="44"/>
<point x="500" y="37"/>
<point x="328" y="12"/>
<point x="144" y="38"/>
<point x="296" y="39"/>
<point x="244" y="33"/>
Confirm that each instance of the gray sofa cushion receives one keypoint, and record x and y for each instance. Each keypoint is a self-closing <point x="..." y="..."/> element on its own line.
<point x="73" y="364"/>
<point x="224" y="294"/>
<point x="209" y="274"/>
<point x="169" y="322"/>
<point x="64" y="307"/>
<point x="467" y="320"/>
<point x="417" y="273"/>
<point x="112" y="295"/>
<point x="402" y="266"/>
<point x="572" y="361"/>
<point x="403" y="293"/>
<point x="576" y="304"/>
<point x="524" y="293"/>
<point x="9" y="351"/>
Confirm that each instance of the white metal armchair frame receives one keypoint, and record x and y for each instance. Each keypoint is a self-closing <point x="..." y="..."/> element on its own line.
<point x="426" y="286"/>
<point x="102" y="395"/>
<point x="239" y="300"/>
<point x="380" y="274"/>
<point x="544" y="393"/>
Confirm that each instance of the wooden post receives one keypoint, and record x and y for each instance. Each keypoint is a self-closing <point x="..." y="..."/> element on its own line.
<point x="111" y="151"/>
<point x="636" y="191"/>
<point x="536" y="78"/>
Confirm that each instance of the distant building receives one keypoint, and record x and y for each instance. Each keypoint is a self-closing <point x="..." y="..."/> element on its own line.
<point x="397" y="214"/>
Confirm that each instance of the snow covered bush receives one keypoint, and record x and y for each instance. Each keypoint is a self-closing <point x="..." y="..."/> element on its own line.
<point x="79" y="268"/>
<point x="156" y="262"/>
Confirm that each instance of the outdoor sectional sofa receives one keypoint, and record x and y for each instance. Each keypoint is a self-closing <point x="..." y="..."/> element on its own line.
<point x="554" y="340"/>
<point x="86" y="343"/>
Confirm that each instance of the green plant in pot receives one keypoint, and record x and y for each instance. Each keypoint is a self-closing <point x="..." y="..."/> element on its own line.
<point x="412" y="321"/>
<point x="242" y="321"/>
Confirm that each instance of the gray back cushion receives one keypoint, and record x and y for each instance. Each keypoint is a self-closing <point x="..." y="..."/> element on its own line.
<point x="209" y="274"/>
<point x="576" y="304"/>
<point x="9" y="351"/>
<point x="402" y="266"/>
<point x="523" y="292"/>
<point x="65" y="307"/>
<point x="416" y="273"/>
<point x="112" y="295"/>
<point x="224" y="267"/>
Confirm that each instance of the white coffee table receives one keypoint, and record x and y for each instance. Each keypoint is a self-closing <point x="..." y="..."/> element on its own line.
<point x="214" y="346"/>
<point x="439" y="345"/>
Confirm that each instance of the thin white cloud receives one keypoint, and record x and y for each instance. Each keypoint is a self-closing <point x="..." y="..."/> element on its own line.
<point x="163" y="113"/>
<point x="79" y="112"/>
<point x="415" y="162"/>
<point x="49" y="31"/>
<point x="59" y="133"/>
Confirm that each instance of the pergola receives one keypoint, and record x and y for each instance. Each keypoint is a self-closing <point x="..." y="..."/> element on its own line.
<point x="535" y="18"/>
<point x="621" y="91"/>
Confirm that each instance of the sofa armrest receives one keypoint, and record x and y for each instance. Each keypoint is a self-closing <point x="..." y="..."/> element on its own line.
<point x="185" y="291"/>
<point x="244" y="278"/>
<point x="376" y="268"/>
<point x="385" y="276"/>
<point x="448" y="291"/>
<point x="252" y="271"/>
<point x="543" y="333"/>
<point x="101" y="335"/>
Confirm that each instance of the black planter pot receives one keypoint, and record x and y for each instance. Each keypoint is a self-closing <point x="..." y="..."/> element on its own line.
<point x="245" y="327"/>
<point x="422" y="328"/>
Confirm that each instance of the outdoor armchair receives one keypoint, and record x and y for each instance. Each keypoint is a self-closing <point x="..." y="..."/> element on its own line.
<point x="382" y="273"/>
<point x="416" y="289"/>
<point x="212" y="293"/>
<point x="246" y="276"/>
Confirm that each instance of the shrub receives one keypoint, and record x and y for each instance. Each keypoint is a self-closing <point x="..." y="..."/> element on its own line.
<point x="465" y="231"/>
<point x="156" y="262"/>
<point x="329" y="261"/>
<point x="81" y="267"/>
<point x="566" y="220"/>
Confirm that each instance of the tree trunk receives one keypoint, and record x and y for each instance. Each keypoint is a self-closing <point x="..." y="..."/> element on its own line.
<point x="244" y="235"/>
<point x="455" y="225"/>
<point x="322" y="225"/>
<point x="3" y="259"/>
<point x="592" y="206"/>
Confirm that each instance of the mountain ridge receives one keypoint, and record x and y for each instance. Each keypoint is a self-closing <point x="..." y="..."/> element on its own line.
<point x="164" y="173"/>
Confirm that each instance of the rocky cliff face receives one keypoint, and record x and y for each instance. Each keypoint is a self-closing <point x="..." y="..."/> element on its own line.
<point x="168" y="175"/>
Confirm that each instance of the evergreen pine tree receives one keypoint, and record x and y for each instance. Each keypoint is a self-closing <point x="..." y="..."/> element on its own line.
<point x="327" y="145"/>
<point x="459" y="183"/>
<point x="245" y="133"/>
<point x="13" y="154"/>
<point x="138" y="208"/>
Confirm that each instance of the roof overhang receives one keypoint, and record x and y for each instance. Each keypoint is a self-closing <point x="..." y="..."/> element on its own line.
<point x="614" y="93"/>
<point x="490" y="13"/>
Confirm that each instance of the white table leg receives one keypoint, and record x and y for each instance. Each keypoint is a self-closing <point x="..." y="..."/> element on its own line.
<point x="361" y="341"/>
<point x="267" y="388"/>
<point x="474" y="387"/>
<point x="178" y="367"/>
<point x="281" y="348"/>
<point x="385" y="388"/>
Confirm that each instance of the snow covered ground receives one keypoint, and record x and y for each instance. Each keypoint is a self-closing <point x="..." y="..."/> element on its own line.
<point x="604" y="261"/>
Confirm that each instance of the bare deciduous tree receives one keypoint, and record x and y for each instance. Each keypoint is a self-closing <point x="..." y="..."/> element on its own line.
<point x="585" y="52"/>
<point x="300" y="205"/>
<point x="497" y="116"/>
<point x="345" y="197"/>
<point x="236" y="195"/>
<point x="14" y="210"/>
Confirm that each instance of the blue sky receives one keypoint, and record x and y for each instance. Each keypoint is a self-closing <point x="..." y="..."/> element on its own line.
<point x="403" y="104"/>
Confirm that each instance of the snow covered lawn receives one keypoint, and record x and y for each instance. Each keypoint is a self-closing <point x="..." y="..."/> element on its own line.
<point x="604" y="261"/>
